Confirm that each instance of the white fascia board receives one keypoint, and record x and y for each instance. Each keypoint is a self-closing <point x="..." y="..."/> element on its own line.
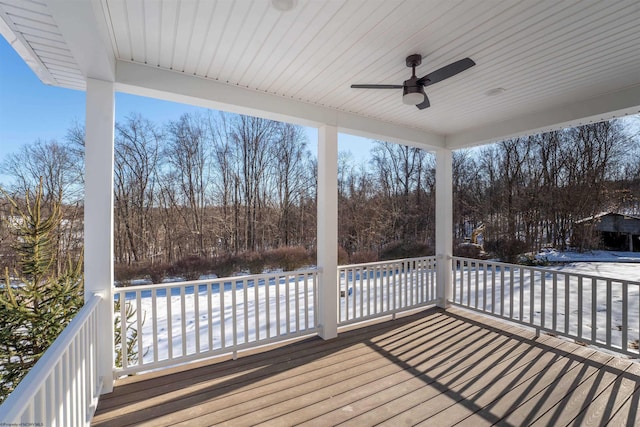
<point x="173" y="86"/>
<point x="601" y="108"/>
<point x="82" y="25"/>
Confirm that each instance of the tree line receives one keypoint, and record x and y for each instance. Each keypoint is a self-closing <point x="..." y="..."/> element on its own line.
<point x="206" y="187"/>
<point x="528" y="192"/>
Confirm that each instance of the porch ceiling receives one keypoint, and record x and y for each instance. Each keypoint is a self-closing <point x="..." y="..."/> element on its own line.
<point x="560" y="63"/>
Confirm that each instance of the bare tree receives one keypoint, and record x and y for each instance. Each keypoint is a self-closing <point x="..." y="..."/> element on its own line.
<point x="137" y="145"/>
<point x="188" y="153"/>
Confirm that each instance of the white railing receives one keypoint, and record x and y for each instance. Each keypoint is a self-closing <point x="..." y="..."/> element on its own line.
<point x="375" y="289"/>
<point x="173" y="323"/>
<point x="63" y="387"/>
<point x="601" y="311"/>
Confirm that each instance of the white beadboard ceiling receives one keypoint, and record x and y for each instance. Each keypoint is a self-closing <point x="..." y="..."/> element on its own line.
<point x="556" y="60"/>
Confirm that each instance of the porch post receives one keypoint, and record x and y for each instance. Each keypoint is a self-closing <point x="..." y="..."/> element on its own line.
<point x="98" y="217"/>
<point x="444" y="226"/>
<point x="327" y="246"/>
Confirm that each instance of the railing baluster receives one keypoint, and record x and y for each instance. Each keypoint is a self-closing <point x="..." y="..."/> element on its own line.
<point x="62" y="410"/>
<point x="234" y="318"/>
<point x="477" y="280"/>
<point x="223" y="318"/>
<point x="405" y="266"/>
<point x="315" y="300"/>
<point x="169" y="325"/>
<point x="567" y="308"/>
<point x="306" y="301"/>
<point x="210" y="316"/>
<point x="278" y="318"/>
<point x="287" y="304"/>
<point x="368" y="272"/>
<point x="502" y="291"/>
<point x="609" y="312"/>
<point x="580" y="307"/>
<point x="245" y="309"/>
<point x="532" y="290"/>
<point x="521" y="312"/>
<point x="414" y="283"/>
<point x="352" y="297"/>
<point x="361" y="290"/>
<point x="511" y="295"/>
<point x="123" y="330"/>
<point x="484" y="286"/>
<point x="625" y="317"/>
<point x="139" y="316"/>
<point x="493" y="288"/>
<point x="377" y="282"/>
<point x="154" y="321"/>
<point x="554" y="308"/>
<point x="543" y="300"/>
<point x="342" y="297"/>
<point x="196" y="309"/>
<point x="256" y="308"/>
<point x="594" y="310"/>
<point x="388" y="280"/>
<point x="267" y="303"/>
<point x="183" y="321"/>
<point x="469" y="283"/>
<point x="455" y="264"/>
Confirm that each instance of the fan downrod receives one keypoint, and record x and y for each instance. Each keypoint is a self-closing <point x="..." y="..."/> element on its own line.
<point x="414" y="60"/>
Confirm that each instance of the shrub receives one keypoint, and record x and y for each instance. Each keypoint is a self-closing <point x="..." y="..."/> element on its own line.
<point x="469" y="250"/>
<point x="363" y="257"/>
<point x="507" y="250"/>
<point x="191" y="267"/>
<point x="224" y="266"/>
<point x="252" y="261"/>
<point x="343" y="256"/>
<point x="288" y="258"/>
<point x="532" y="261"/>
<point x="157" y="272"/>
<point x="124" y="274"/>
<point x="401" y="249"/>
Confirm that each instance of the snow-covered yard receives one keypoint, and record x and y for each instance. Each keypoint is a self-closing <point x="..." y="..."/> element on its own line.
<point x="209" y="317"/>
<point x="597" y="302"/>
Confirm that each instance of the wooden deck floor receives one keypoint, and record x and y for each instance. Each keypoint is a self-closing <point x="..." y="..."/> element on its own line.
<point x="435" y="368"/>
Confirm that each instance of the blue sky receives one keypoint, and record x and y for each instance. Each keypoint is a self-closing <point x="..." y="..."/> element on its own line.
<point x="31" y="110"/>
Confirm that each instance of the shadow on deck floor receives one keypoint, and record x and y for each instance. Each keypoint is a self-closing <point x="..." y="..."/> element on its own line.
<point x="435" y="368"/>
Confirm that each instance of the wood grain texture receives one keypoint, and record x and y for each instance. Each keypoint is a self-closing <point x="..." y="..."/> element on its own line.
<point x="432" y="368"/>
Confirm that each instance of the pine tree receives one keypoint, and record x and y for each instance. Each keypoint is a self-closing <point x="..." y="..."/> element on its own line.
<point x="38" y="306"/>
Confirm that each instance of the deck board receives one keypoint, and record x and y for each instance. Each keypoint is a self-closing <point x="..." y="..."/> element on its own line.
<point x="432" y="368"/>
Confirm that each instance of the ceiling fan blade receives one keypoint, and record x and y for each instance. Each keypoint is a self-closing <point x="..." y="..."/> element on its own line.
<point x="424" y="104"/>
<point x="446" y="72"/>
<point x="377" y="86"/>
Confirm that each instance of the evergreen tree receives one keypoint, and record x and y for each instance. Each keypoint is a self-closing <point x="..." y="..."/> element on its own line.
<point x="35" y="308"/>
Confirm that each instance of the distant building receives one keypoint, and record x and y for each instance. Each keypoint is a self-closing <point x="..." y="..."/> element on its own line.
<point x="612" y="231"/>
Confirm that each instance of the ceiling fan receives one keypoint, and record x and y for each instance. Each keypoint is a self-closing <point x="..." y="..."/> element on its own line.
<point x="413" y="89"/>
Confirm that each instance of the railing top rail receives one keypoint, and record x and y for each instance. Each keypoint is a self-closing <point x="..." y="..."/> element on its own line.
<point x="376" y="263"/>
<point x="19" y="399"/>
<point x="548" y="270"/>
<point x="217" y="280"/>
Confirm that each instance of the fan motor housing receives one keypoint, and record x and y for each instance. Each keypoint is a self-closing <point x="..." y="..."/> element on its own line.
<point x="414" y="60"/>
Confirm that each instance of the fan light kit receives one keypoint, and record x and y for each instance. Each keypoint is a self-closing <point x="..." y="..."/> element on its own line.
<point x="413" y="89"/>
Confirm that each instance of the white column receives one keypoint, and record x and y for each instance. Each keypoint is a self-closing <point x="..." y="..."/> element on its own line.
<point x="328" y="231"/>
<point x="98" y="216"/>
<point x="444" y="226"/>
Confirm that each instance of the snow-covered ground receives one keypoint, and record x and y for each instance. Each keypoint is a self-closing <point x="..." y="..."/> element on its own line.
<point x="212" y="316"/>
<point x="554" y="255"/>
<point x="591" y="308"/>
<point x="208" y="317"/>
